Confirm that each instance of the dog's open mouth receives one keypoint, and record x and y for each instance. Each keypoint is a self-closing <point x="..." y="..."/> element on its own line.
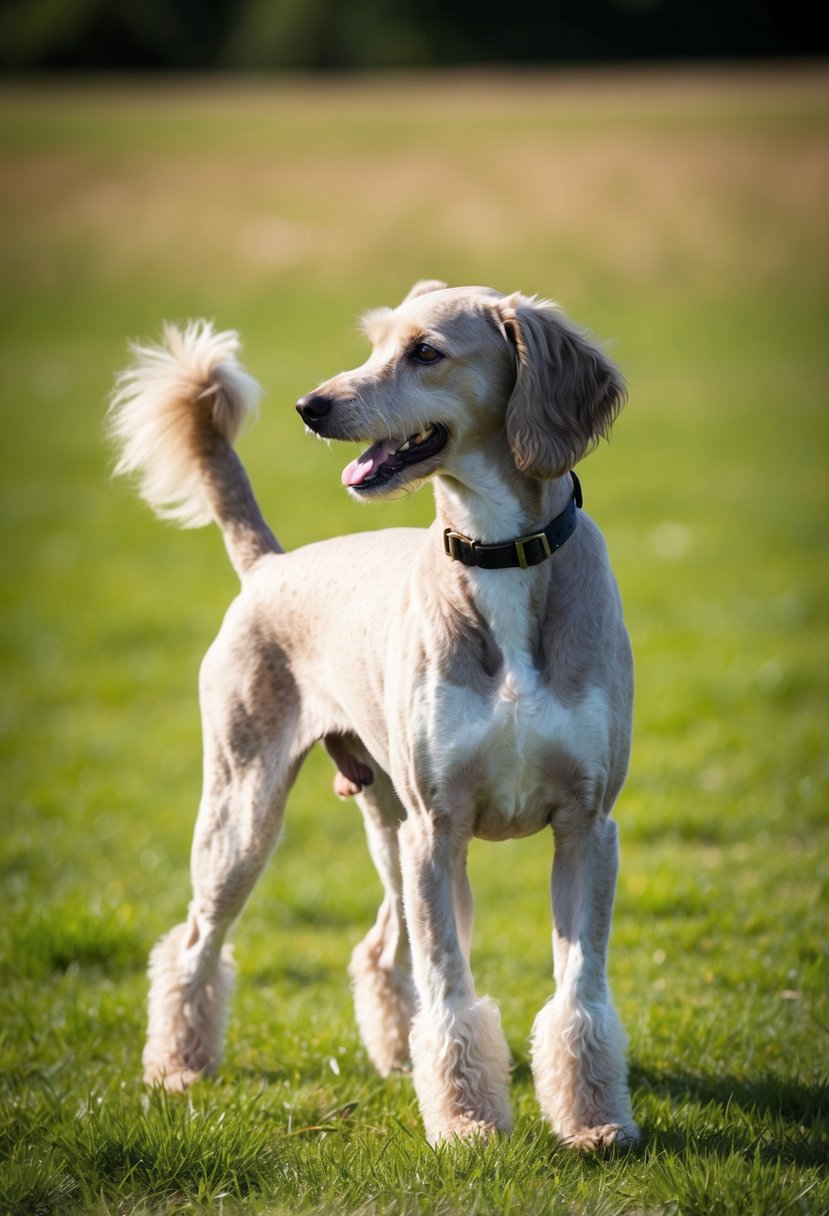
<point x="385" y="460"/>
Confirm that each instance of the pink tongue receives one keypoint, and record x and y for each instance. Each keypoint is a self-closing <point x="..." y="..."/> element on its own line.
<point x="365" y="465"/>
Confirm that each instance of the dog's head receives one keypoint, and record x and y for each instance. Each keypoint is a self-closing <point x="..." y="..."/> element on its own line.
<point x="454" y="372"/>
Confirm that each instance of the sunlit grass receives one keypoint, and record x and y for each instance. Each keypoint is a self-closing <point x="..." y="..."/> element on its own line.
<point x="683" y="219"/>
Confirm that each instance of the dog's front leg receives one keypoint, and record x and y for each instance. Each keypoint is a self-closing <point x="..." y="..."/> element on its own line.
<point x="460" y="1061"/>
<point x="578" y="1043"/>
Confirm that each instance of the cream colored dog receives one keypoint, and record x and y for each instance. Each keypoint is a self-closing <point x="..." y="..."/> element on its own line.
<point x="470" y="679"/>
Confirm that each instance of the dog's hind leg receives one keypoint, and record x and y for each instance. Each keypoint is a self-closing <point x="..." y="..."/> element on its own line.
<point x="460" y="1060"/>
<point x="578" y="1056"/>
<point x="249" y="718"/>
<point x="380" y="967"/>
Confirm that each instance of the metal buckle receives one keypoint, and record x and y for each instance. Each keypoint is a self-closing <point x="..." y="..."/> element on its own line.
<point x="448" y="538"/>
<point x="525" y="540"/>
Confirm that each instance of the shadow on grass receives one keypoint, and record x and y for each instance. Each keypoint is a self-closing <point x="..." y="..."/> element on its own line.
<point x="785" y="1120"/>
<point x="782" y="1119"/>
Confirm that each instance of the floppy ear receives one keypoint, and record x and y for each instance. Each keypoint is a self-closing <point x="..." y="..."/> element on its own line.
<point x="567" y="392"/>
<point x="423" y="287"/>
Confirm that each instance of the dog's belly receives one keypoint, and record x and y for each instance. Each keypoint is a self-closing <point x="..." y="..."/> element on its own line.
<point x="515" y="760"/>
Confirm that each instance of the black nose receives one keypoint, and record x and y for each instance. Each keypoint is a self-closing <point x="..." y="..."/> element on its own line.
<point x="312" y="407"/>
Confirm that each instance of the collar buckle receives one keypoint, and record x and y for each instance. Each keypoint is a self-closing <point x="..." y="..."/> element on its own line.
<point x="453" y="543"/>
<point x="541" y="538"/>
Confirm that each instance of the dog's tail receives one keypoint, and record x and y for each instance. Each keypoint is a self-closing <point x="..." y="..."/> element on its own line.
<point x="174" y="416"/>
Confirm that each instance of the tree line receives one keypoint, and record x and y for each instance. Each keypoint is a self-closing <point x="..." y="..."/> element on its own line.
<point x="365" y="34"/>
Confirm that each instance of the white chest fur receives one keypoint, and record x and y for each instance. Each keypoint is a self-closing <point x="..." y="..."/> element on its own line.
<point x="512" y="755"/>
<point x="514" y="759"/>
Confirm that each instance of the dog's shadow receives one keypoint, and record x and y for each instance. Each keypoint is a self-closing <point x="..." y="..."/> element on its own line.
<point x="781" y="1119"/>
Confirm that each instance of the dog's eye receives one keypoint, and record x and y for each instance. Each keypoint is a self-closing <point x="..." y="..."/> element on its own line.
<point x="425" y="353"/>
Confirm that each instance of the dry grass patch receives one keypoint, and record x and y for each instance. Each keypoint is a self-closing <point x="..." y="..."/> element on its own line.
<point x="650" y="177"/>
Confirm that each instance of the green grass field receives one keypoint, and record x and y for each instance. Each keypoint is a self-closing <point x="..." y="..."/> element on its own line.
<point x="684" y="217"/>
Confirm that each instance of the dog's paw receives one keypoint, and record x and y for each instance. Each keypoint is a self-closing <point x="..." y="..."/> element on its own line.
<point x="174" y="1078"/>
<point x="620" y="1136"/>
<point x="467" y="1127"/>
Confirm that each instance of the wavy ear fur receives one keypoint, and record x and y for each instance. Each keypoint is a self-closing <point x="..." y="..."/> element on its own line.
<point x="567" y="392"/>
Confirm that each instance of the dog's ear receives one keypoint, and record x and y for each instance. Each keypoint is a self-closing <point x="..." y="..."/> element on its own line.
<point x="424" y="287"/>
<point x="567" y="392"/>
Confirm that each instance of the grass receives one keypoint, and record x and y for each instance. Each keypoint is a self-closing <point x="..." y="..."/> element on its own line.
<point x="680" y="214"/>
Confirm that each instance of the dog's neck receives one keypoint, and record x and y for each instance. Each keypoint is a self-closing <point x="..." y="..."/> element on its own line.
<point x="495" y="510"/>
<point x="508" y="601"/>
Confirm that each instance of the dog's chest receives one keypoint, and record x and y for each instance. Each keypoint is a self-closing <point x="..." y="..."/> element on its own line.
<point x="512" y="758"/>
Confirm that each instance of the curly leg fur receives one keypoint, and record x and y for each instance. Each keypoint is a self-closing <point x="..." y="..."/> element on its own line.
<point x="384" y="1003"/>
<point x="461" y="1070"/>
<point x="187" y="1013"/>
<point x="578" y="1060"/>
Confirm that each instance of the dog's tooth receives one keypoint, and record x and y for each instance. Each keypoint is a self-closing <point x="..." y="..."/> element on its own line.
<point x="417" y="439"/>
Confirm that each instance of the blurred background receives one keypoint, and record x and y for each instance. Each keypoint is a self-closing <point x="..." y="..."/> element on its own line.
<point x="356" y="34"/>
<point x="662" y="169"/>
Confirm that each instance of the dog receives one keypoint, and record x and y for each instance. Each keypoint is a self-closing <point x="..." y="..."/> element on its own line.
<point x="470" y="679"/>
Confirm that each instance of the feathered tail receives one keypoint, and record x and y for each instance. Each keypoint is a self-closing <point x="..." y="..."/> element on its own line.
<point x="174" y="416"/>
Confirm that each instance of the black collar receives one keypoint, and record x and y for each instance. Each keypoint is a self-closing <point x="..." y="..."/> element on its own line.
<point x="525" y="551"/>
